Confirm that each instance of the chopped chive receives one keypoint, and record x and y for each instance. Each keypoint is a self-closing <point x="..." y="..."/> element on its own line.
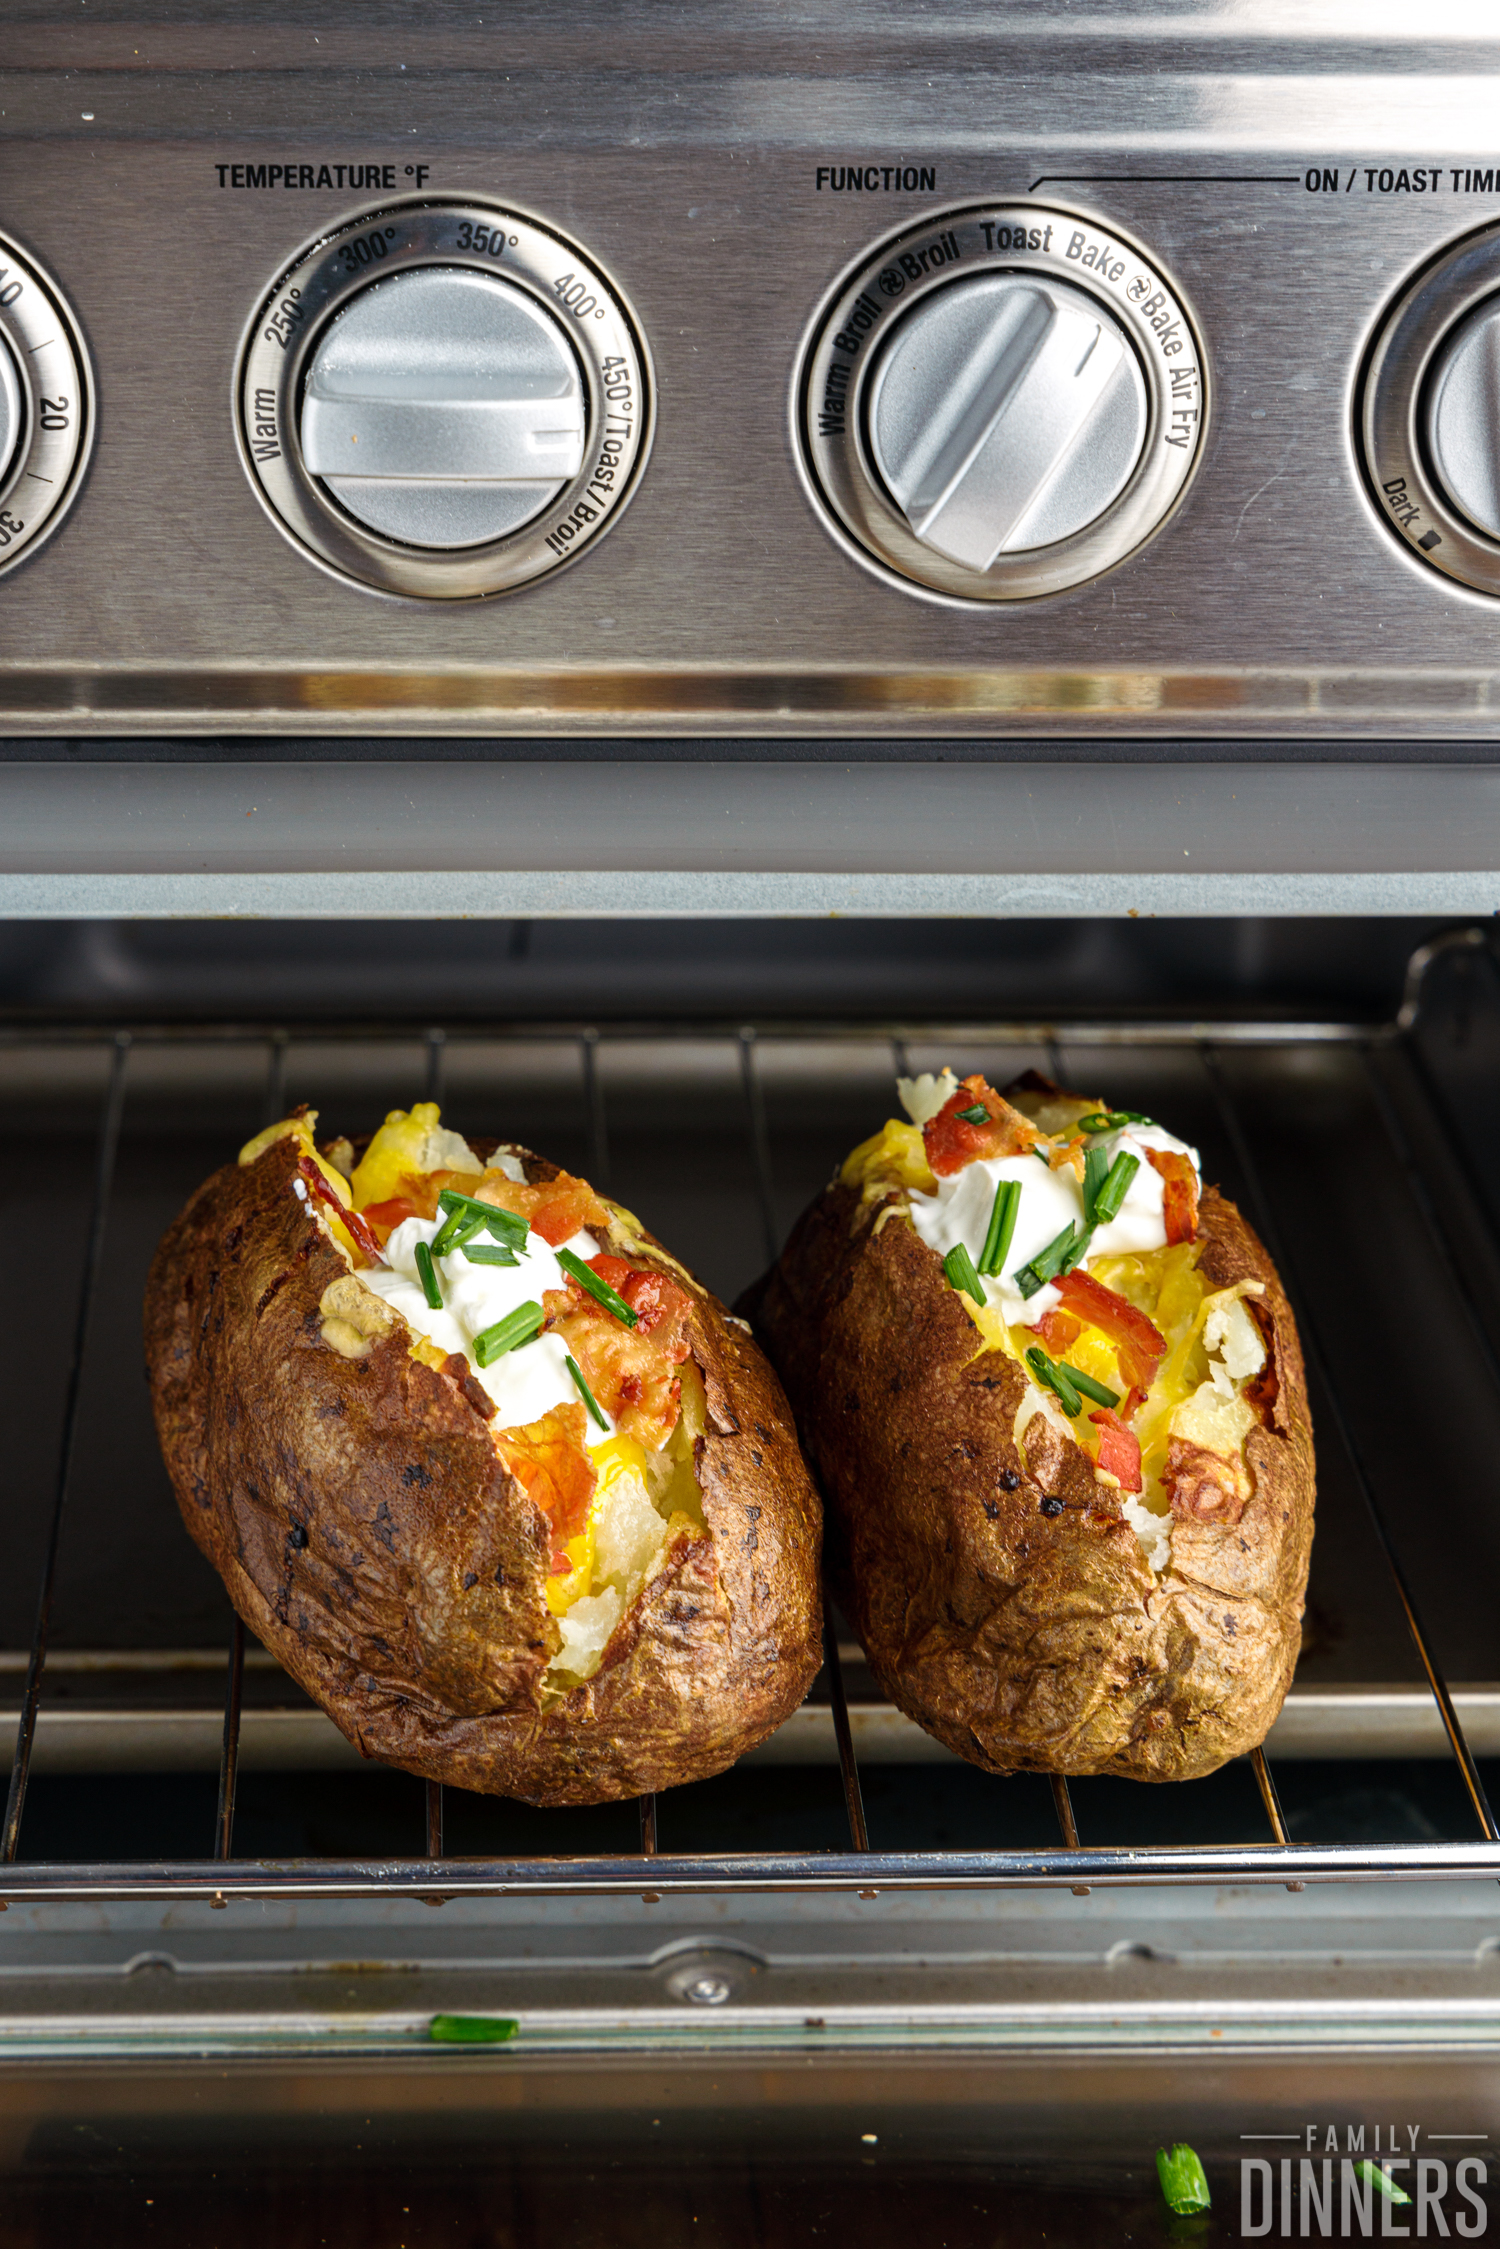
<point x="428" y="1278"/>
<point x="1056" y="1379"/>
<point x="455" y="1231"/>
<point x="1077" y="1250"/>
<point x="472" y="2030"/>
<point x="978" y="1115"/>
<point x="588" y="1279"/>
<point x="1100" y="1392"/>
<point x="1042" y="1157"/>
<point x="1377" y="2176"/>
<point x="1110" y="1120"/>
<point x="504" y="1225"/>
<point x="516" y="1328"/>
<point x="576" y="1371"/>
<point x="1002" y="1226"/>
<point x="1061" y="1254"/>
<point x="959" y="1267"/>
<point x="1183" y="2185"/>
<point x="1095" y="1172"/>
<point x="489" y="1253"/>
<point x="1115" y="1188"/>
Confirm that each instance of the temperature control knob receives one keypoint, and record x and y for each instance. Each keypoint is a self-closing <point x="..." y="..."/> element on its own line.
<point x="444" y="399"/>
<point x="444" y="408"/>
<point x="1001" y="403"/>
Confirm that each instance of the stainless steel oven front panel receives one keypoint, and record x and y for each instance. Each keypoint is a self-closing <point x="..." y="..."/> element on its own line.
<point x="1289" y="174"/>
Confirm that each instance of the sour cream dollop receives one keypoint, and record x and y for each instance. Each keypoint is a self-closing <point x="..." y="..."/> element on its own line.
<point x="528" y="1381"/>
<point x="1050" y="1200"/>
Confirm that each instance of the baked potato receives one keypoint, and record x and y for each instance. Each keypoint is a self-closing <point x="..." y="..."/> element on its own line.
<point x="1054" y="1394"/>
<point x="493" y="1477"/>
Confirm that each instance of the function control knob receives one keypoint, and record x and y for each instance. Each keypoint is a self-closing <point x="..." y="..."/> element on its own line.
<point x="1000" y="403"/>
<point x="1006" y="412"/>
<point x="444" y="408"/>
<point x="1429" y="415"/>
<point x="46" y="406"/>
<point x="444" y="399"/>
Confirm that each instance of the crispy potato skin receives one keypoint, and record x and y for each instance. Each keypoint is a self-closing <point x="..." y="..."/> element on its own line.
<point x="370" y="1536"/>
<point x="1030" y="1642"/>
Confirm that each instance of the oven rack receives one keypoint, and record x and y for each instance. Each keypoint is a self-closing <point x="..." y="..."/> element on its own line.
<point x="1409" y="1077"/>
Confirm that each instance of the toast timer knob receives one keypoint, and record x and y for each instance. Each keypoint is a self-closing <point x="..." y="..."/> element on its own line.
<point x="1462" y="418"/>
<point x="443" y="399"/>
<point x="1000" y="404"/>
<point x="11" y="418"/>
<point x="1429" y="414"/>
<point x="46" y="406"/>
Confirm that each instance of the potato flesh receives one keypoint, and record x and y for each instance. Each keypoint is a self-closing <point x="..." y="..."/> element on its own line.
<point x="411" y="1143"/>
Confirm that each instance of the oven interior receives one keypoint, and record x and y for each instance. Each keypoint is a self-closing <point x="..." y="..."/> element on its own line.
<point x="200" y="1871"/>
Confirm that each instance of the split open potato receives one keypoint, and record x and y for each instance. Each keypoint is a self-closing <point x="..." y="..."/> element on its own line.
<point x="1053" y="1390"/>
<point x="495" y="1479"/>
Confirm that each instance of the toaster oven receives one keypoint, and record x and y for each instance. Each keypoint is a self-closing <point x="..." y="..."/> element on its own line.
<point x="642" y="575"/>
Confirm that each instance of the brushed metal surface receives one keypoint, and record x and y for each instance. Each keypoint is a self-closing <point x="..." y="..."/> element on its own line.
<point x="687" y="158"/>
<point x="540" y="839"/>
<point x="1366" y="1722"/>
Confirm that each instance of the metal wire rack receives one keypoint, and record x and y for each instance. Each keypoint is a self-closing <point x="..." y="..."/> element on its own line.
<point x="1348" y="1144"/>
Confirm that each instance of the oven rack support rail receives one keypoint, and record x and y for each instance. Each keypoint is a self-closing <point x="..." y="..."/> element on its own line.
<point x="654" y="1875"/>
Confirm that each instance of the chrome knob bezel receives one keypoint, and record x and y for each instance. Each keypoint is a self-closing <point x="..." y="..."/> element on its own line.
<point x="442" y="230"/>
<point x="833" y="452"/>
<point x="41" y="479"/>
<point x="1391" y="411"/>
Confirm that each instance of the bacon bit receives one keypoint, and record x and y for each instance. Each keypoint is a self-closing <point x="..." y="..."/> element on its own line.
<point x="629" y="1370"/>
<point x="612" y="1271"/>
<point x="563" y="1213"/>
<point x="1135" y="1398"/>
<point x="1057" y="1330"/>
<point x="1140" y="1343"/>
<point x="1204" y="1486"/>
<point x="354" y="1226"/>
<point x="384" y="1218"/>
<point x="1119" y="1452"/>
<point x="1179" y="1193"/>
<point x="661" y="1309"/>
<point x="550" y="1460"/>
<point x="951" y="1142"/>
<point x="660" y="1306"/>
<point x="556" y="1210"/>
